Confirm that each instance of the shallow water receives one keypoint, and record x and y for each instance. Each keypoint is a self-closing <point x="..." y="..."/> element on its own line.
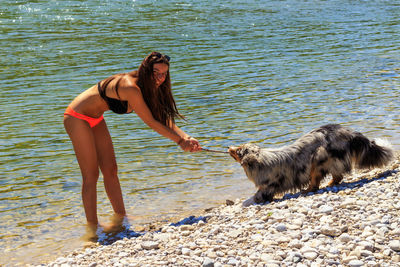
<point x="257" y="71"/>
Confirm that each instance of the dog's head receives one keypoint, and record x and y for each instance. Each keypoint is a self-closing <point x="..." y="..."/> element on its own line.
<point x="249" y="157"/>
<point x="243" y="152"/>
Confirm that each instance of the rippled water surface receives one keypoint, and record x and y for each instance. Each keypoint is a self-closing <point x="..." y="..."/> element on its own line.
<point x="259" y="71"/>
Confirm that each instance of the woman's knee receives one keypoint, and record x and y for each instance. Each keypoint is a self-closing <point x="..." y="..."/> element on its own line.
<point x="110" y="171"/>
<point x="90" y="181"/>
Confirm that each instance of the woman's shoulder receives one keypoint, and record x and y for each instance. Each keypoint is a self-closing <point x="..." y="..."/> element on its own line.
<point x="128" y="81"/>
<point x="128" y="86"/>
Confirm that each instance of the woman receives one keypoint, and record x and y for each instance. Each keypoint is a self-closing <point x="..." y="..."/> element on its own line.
<point x="146" y="91"/>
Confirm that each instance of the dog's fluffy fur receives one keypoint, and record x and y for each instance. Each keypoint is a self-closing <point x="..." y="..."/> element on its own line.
<point x="330" y="149"/>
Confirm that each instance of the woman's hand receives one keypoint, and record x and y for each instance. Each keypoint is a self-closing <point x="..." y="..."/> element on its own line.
<point x="189" y="144"/>
<point x="195" y="145"/>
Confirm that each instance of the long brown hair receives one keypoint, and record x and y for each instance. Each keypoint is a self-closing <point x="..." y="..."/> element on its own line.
<point x="159" y="100"/>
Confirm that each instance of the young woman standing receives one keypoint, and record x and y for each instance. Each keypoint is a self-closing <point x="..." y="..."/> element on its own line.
<point x="147" y="91"/>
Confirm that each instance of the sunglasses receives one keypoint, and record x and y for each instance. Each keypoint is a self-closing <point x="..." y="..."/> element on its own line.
<point x="159" y="55"/>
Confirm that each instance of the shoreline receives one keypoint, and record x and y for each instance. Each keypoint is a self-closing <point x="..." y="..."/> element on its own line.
<point x="354" y="224"/>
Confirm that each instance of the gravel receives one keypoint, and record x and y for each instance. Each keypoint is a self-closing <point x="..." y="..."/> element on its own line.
<point x="354" y="224"/>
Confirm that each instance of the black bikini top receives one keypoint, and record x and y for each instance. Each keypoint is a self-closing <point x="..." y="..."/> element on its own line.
<point x="115" y="105"/>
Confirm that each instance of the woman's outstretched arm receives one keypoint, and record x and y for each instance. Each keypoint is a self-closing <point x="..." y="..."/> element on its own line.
<point x="195" y="146"/>
<point x="133" y="95"/>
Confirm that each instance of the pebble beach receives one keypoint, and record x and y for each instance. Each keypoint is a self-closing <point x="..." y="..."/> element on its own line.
<point x="354" y="224"/>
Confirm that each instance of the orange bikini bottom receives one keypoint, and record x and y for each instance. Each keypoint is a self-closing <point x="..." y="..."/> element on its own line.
<point x="92" y="121"/>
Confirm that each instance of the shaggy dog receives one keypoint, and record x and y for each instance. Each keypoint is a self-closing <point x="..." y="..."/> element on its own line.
<point x="330" y="149"/>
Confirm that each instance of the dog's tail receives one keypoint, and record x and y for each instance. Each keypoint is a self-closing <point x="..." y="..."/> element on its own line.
<point x="370" y="154"/>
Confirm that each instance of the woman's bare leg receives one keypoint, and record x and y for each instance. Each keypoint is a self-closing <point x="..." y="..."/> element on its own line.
<point x="84" y="145"/>
<point x="108" y="166"/>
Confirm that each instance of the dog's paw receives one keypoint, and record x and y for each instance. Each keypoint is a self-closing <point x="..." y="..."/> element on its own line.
<point x="309" y="190"/>
<point x="249" y="202"/>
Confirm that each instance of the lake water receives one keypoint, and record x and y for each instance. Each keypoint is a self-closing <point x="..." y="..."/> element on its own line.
<point x="243" y="71"/>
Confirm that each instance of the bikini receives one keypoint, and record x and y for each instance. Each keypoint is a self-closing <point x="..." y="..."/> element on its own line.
<point x="92" y="121"/>
<point x="115" y="105"/>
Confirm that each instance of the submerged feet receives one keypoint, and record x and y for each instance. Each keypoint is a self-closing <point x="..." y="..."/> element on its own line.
<point x="91" y="233"/>
<point x="115" y="225"/>
<point x="118" y="223"/>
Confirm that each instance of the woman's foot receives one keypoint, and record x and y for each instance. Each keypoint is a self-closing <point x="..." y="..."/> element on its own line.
<point x="117" y="224"/>
<point x="91" y="233"/>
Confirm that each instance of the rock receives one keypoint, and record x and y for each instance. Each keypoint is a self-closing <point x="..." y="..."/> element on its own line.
<point x="356" y="252"/>
<point x="220" y="254"/>
<point x="348" y="259"/>
<point x="229" y="202"/>
<point x="326" y="209"/>
<point x="163" y="237"/>
<point x="293" y="257"/>
<point x="356" y="263"/>
<point x="344" y="238"/>
<point x="140" y="228"/>
<point x="233" y="262"/>
<point x="187" y="227"/>
<point x="257" y="237"/>
<point x="234" y="233"/>
<point x="395" y="245"/>
<point x="266" y="258"/>
<point x="185" y="233"/>
<point x="208" y="262"/>
<point x="298" y="222"/>
<point x="310" y="255"/>
<point x="295" y="244"/>
<point x="150" y="245"/>
<point x="212" y="255"/>
<point x="123" y="254"/>
<point x="396" y="258"/>
<point x="330" y="231"/>
<point x="61" y="260"/>
<point x="283" y="239"/>
<point x="281" y="228"/>
<point x="215" y="230"/>
<point x="372" y="264"/>
<point x="367" y="245"/>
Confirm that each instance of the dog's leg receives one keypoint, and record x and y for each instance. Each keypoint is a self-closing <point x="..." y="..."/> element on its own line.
<point x="336" y="179"/>
<point x="315" y="180"/>
<point x="261" y="197"/>
<point x="249" y="202"/>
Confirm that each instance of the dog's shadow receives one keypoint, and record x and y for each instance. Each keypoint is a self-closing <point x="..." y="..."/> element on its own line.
<point x="335" y="189"/>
